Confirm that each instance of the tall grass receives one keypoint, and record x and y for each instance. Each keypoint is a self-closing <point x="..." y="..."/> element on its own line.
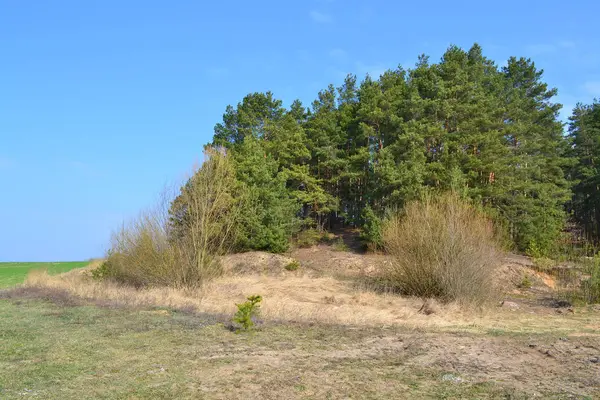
<point x="178" y="242"/>
<point x="442" y="248"/>
<point x="581" y="285"/>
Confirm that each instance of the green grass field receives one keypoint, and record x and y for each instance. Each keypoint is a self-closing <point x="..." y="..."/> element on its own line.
<point x="14" y="273"/>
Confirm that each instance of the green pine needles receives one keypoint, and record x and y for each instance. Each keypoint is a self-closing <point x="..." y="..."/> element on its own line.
<point x="463" y="124"/>
<point x="243" y="318"/>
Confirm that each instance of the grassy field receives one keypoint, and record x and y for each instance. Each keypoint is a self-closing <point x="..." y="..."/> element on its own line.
<point x="14" y="273"/>
<point x="69" y="350"/>
<point x="68" y="336"/>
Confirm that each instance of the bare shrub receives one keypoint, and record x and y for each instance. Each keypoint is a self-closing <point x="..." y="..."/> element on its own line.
<point x="581" y="285"/>
<point x="140" y="253"/>
<point x="178" y="242"/>
<point x="442" y="248"/>
<point x="203" y="219"/>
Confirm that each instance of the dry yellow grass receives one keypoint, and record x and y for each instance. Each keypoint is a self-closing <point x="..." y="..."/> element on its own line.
<point x="323" y="300"/>
<point x="357" y="342"/>
<point x="295" y="298"/>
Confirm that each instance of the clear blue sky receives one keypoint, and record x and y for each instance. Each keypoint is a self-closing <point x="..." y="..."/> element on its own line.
<point x="102" y="102"/>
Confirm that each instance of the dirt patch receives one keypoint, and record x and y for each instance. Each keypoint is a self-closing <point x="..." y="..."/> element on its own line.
<point x="535" y="366"/>
<point x="317" y="261"/>
<point x="422" y="362"/>
<point x="548" y="280"/>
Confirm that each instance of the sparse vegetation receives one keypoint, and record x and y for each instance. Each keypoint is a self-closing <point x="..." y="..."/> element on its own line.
<point x="329" y="321"/>
<point x="544" y="264"/>
<point x="292" y="266"/>
<point x="525" y="282"/>
<point x="579" y="283"/>
<point x="61" y="352"/>
<point x="309" y="238"/>
<point x="591" y="287"/>
<point x="590" y="284"/>
<point x="340" y="245"/>
<point x="443" y="248"/>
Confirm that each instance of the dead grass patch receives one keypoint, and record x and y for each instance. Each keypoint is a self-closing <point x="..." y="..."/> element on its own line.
<point x="305" y="299"/>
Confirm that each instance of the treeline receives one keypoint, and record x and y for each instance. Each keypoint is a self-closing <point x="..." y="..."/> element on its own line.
<point x="490" y="133"/>
<point x="584" y="140"/>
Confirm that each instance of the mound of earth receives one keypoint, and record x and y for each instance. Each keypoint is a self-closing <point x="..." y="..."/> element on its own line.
<point x="322" y="260"/>
<point x="325" y="260"/>
<point x="256" y="262"/>
<point x="512" y="275"/>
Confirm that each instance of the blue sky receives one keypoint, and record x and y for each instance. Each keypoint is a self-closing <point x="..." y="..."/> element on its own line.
<point x="103" y="102"/>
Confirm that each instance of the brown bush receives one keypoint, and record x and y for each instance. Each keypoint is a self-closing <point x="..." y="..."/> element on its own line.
<point x="178" y="242"/>
<point x="442" y="248"/>
<point x="140" y="253"/>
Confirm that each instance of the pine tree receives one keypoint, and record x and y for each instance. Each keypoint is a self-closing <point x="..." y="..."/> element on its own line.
<point x="534" y="188"/>
<point x="247" y="119"/>
<point x="324" y="138"/>
<point x="287" y="144"/>
<point x="270" y="214"/>
<point x="462" y="124"/>
<point x="584" y="136"/>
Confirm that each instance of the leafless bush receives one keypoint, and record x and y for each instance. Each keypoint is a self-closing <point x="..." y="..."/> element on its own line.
<point x="442" y="248"/>
<point x="178" y="242"/>
<point x="140" y="253"/>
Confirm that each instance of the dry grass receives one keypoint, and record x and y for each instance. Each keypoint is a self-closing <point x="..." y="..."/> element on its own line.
<point x="294" y="298"/>
<point x="322" y="300"/>
<point x="349" y="341"/>
<point x="65" y="351"/>
<point x="81" y="285"/>
<point x="442" y="248"/>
